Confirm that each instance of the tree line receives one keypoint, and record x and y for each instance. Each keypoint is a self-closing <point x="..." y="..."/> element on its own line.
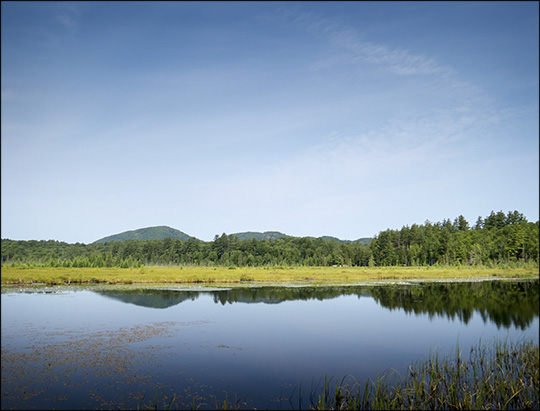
<point x="498" y="238"/>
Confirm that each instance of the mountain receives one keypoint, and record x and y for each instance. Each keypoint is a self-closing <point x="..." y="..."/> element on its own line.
<point x="148" y="233"/>
<point x="364" y="240"/>
<point x="274" y="235"/>
<point x="267" y="235"/>
<point x="330" y="238"/>
<point x="161" y="232"/>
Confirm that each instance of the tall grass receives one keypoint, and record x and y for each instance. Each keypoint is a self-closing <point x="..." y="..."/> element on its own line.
<point x="497" y="376"/>
<point x="494" y="377"/>
<point x="165" y="402"/>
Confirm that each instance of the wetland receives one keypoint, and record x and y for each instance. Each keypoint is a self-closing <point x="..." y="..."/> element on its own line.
<point x="252" y="346"/>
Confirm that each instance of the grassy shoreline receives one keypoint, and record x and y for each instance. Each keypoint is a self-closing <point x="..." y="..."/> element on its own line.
<point x="210" y="275"/>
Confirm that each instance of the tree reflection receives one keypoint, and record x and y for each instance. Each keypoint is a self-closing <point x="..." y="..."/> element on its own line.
<point x="506" y="303"/>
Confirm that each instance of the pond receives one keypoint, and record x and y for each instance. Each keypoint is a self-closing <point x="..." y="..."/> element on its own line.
<point x="263" y="347"/>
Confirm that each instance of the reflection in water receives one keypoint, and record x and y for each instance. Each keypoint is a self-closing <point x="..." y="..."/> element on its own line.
<point x="71" y="348"/>
<point x="506" y="303"/>
<point x="148" y="297"/>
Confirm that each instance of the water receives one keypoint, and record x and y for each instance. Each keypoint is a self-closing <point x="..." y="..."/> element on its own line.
<point x="114" y="347"/>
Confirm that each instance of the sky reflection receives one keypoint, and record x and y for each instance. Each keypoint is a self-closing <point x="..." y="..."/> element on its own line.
<point x="262" y="347"/>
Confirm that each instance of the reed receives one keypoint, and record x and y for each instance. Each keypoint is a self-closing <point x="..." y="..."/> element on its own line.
<point x="164" y="402"/>
<point x="500" y="376"/>
<point x="496" y="376"/>
<point x="160" y="402"/>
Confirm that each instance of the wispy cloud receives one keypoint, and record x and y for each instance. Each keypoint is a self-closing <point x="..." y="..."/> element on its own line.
<point x="365" y="174"/>
<point x="315" y="120"/>
<point x="393" y="60"/>
<point x="420" y="151"/>
<point x="351" y="47"/>
<point x="69" y="14"/>
<point x="49" y="23"/>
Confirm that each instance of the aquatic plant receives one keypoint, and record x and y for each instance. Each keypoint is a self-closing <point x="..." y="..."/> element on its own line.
<point x="164" y="402"/>
<point x="499" y="376"/>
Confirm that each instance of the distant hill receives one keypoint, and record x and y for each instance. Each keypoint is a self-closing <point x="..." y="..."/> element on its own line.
<point x="267" y="235"/>
<point x="330" y="238"/>
<point x="364" y="240"/>
<point x="148" y="233"/>
<point x="274" y="235"/>
<point x="161" y="232"/>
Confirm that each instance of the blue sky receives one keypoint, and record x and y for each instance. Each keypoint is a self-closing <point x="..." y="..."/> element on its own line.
<point x="309" y="118"/>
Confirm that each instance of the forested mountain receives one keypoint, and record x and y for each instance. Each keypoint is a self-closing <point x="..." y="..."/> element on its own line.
<point x="275" y="235"/>
<point x="267" y="235"/>
<point x="499" y="238"/>
<point x="363" y="240"/>
<point x="162" y="232"/>
<point x="148" y="233"/>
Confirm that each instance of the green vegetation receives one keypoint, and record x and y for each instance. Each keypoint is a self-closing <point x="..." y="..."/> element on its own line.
<point x="498" y="376"/>
<point x="276" y="235"/>
<point x="499" y="239"/>
<point x="148" y="233"/>
<point x="254" y="235"/>
<point x="211" y="275"/>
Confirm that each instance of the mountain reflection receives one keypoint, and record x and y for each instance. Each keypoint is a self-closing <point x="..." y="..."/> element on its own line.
<point x="506" y="303"/>
<point x="150" y="298"/>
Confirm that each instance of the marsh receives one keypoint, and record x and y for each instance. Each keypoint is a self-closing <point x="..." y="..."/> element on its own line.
<point x="103" y="347"/>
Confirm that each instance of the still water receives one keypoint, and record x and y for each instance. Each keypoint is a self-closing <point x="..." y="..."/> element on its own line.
<point x="114" y="347"/>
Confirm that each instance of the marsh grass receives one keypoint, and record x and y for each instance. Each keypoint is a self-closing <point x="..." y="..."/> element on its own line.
<point x="500" y="376"/>
<point x="165" y="402"/>
<point x="160" y="402"/>
<point x="497" y="376"/>
<point x="208" y="275"/>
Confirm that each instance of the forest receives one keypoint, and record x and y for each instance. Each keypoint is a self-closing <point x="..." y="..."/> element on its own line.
<point x="496" y="239"/>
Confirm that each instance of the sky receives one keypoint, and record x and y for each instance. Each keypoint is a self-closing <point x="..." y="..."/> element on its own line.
<point x="309" y="118"/>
